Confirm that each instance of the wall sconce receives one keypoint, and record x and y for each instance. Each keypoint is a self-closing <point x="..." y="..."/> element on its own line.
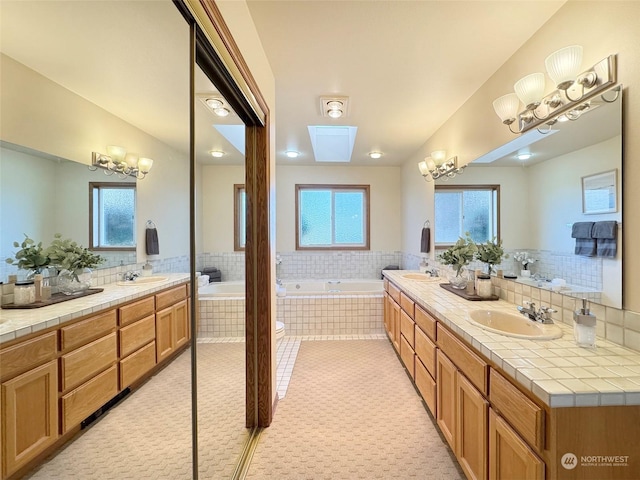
<point x="573" y="90"/>
<point x="435" y="166"/>
<point x="118" y="161"/>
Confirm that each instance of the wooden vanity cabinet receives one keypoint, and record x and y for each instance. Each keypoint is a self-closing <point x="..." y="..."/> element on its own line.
<point x="392" y="318"/>
<point x="52" y="382"/>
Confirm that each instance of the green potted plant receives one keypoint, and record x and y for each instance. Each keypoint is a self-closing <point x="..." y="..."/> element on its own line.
<point x="491" y="253"/>
<point x="458" y="256"/>
<point x="74" y="262"/>
<point x="31" y="256"/>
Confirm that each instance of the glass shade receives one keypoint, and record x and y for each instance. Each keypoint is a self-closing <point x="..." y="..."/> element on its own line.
<point x="507" y="107"/>
<point x="116" y="153"/>
<point x="439" y="156"/>
<point x="131" y="159"/>
<point x="424" y="170"/>
<point x="530" y="89"/>
<point x="564" y="65"/>
<point x="145" y="164"/>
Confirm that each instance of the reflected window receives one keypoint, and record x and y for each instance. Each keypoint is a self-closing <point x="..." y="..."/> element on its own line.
<point x="332" y="217"/>
<point x="469" y="208"/>
<point x="112" y="211"/>
<point x="240" y="217"/>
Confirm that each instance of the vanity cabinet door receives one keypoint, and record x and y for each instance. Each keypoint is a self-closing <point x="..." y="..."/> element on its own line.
<point x="446" y="379"/>
<point x="181" y="320"/>
<point x="165" y="334"/>
<point x="29" y="415"/>
<point x="510" y="458"/>
<point x="471" y="429"/>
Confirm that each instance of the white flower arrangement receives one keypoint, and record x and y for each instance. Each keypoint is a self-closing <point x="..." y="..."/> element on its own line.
<point x="524" y="259"/>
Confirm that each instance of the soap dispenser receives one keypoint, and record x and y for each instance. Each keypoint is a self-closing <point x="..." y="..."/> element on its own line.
<point x="147" y="269"/>
<point x="584" y="326"/>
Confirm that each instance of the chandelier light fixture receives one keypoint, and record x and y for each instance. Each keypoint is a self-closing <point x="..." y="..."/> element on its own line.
<point x="569" y="99"/>
<point x="124" y="164"/>
<point x="435" y="166"/>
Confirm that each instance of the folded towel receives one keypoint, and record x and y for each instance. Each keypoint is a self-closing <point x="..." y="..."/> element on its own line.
<point x="425" y="240"/>
<point x="585" y="247"/>
<point x="582" y="230"/>
<point x="606" y="247"/>
<point x="153" y="247"/>
<point x="608" y="229"/>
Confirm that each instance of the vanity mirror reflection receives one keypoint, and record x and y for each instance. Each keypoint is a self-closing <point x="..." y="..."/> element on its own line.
<point x="541" y="197"/>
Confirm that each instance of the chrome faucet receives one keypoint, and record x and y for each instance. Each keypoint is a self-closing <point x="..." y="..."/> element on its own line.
<point x="130" y="276"/>
<point x="543" y="315"/>
<point x="433" y="272"/>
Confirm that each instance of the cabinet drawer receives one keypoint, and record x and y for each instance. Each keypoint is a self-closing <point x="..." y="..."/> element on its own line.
<point x="407" y="304"/>
<point x="407" y="356"/>
<point x="407" y="327"/>
<point x="426" y="351"/>
<point x="426" y="385"/>
<point x="81" y="364"/>
<point x="80" y="333"/>
<point x="524" y="415"/>
<point x="86" y="399"/>
<point x="136" y="310"/>
<point x="137" y="364"/>
<point x="473" y="367"/>
<point x="394" y="292"/>
<point x="426" y="322"/>
<point x="169" y="297"/>
<point x="136" y="335"/>
<point x="26" y="355"/>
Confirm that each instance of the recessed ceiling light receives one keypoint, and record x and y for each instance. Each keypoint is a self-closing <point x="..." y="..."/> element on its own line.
<point x="292" y="154"/>
<point x="334" y="113"/>
<point x="221" y="111"/>
<point x="217" y="153"/>
<point x="214" y="103"/>
<point x="523" y="156"/>
<point x="375" y="155"/>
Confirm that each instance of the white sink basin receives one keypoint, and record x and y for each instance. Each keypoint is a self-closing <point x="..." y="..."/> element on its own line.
<point x="143" y="281"/>
<point x="513" y="325"/>
<point x="421" y="277"/>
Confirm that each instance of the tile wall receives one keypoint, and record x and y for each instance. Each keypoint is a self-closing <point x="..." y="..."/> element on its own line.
<point x="302" y="315"/>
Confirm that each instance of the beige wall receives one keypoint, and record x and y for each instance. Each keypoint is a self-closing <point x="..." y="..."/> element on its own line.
<point x="64" y="124"/>
<point x="602" y="28"/>
<point x="384" y="204"/>
<point x="216" y="220"/>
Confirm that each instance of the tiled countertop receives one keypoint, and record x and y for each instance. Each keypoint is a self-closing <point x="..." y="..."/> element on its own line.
<point x="558" y="372"/>
<point x="17" y="323"/>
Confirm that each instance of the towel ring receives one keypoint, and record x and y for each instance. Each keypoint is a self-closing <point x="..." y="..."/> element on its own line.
<point x="150" y="224"/>
<point x="427" y="224"/>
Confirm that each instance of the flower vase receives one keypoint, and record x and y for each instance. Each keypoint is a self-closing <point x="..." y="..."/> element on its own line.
<point x="74" y="282"/>
<point x="458" y="278"/>
<point x="525" y="273"/>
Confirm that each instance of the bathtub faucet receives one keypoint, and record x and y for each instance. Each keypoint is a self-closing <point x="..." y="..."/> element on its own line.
<point x="279" y="281"/>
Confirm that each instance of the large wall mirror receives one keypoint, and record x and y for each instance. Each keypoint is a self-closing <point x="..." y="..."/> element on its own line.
<point x="73" y="83"/>
<point x="541" y="176"/>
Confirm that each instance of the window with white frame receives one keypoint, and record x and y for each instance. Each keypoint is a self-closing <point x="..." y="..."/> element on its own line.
<point x="466" y="208"/>
<point x="332" y="217"/>
<point x="112" y="216"/>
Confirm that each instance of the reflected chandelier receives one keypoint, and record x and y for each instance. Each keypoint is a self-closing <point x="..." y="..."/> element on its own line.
<point x="573" y="90"/>
<point x="117" y="160"/>
<point x="434" y="167"/>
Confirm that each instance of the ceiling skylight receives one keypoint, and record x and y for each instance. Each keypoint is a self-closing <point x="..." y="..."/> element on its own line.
<point x="332" y="143"/>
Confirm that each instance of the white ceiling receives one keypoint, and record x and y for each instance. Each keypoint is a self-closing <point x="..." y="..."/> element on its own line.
<point x="406" y="66"/>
